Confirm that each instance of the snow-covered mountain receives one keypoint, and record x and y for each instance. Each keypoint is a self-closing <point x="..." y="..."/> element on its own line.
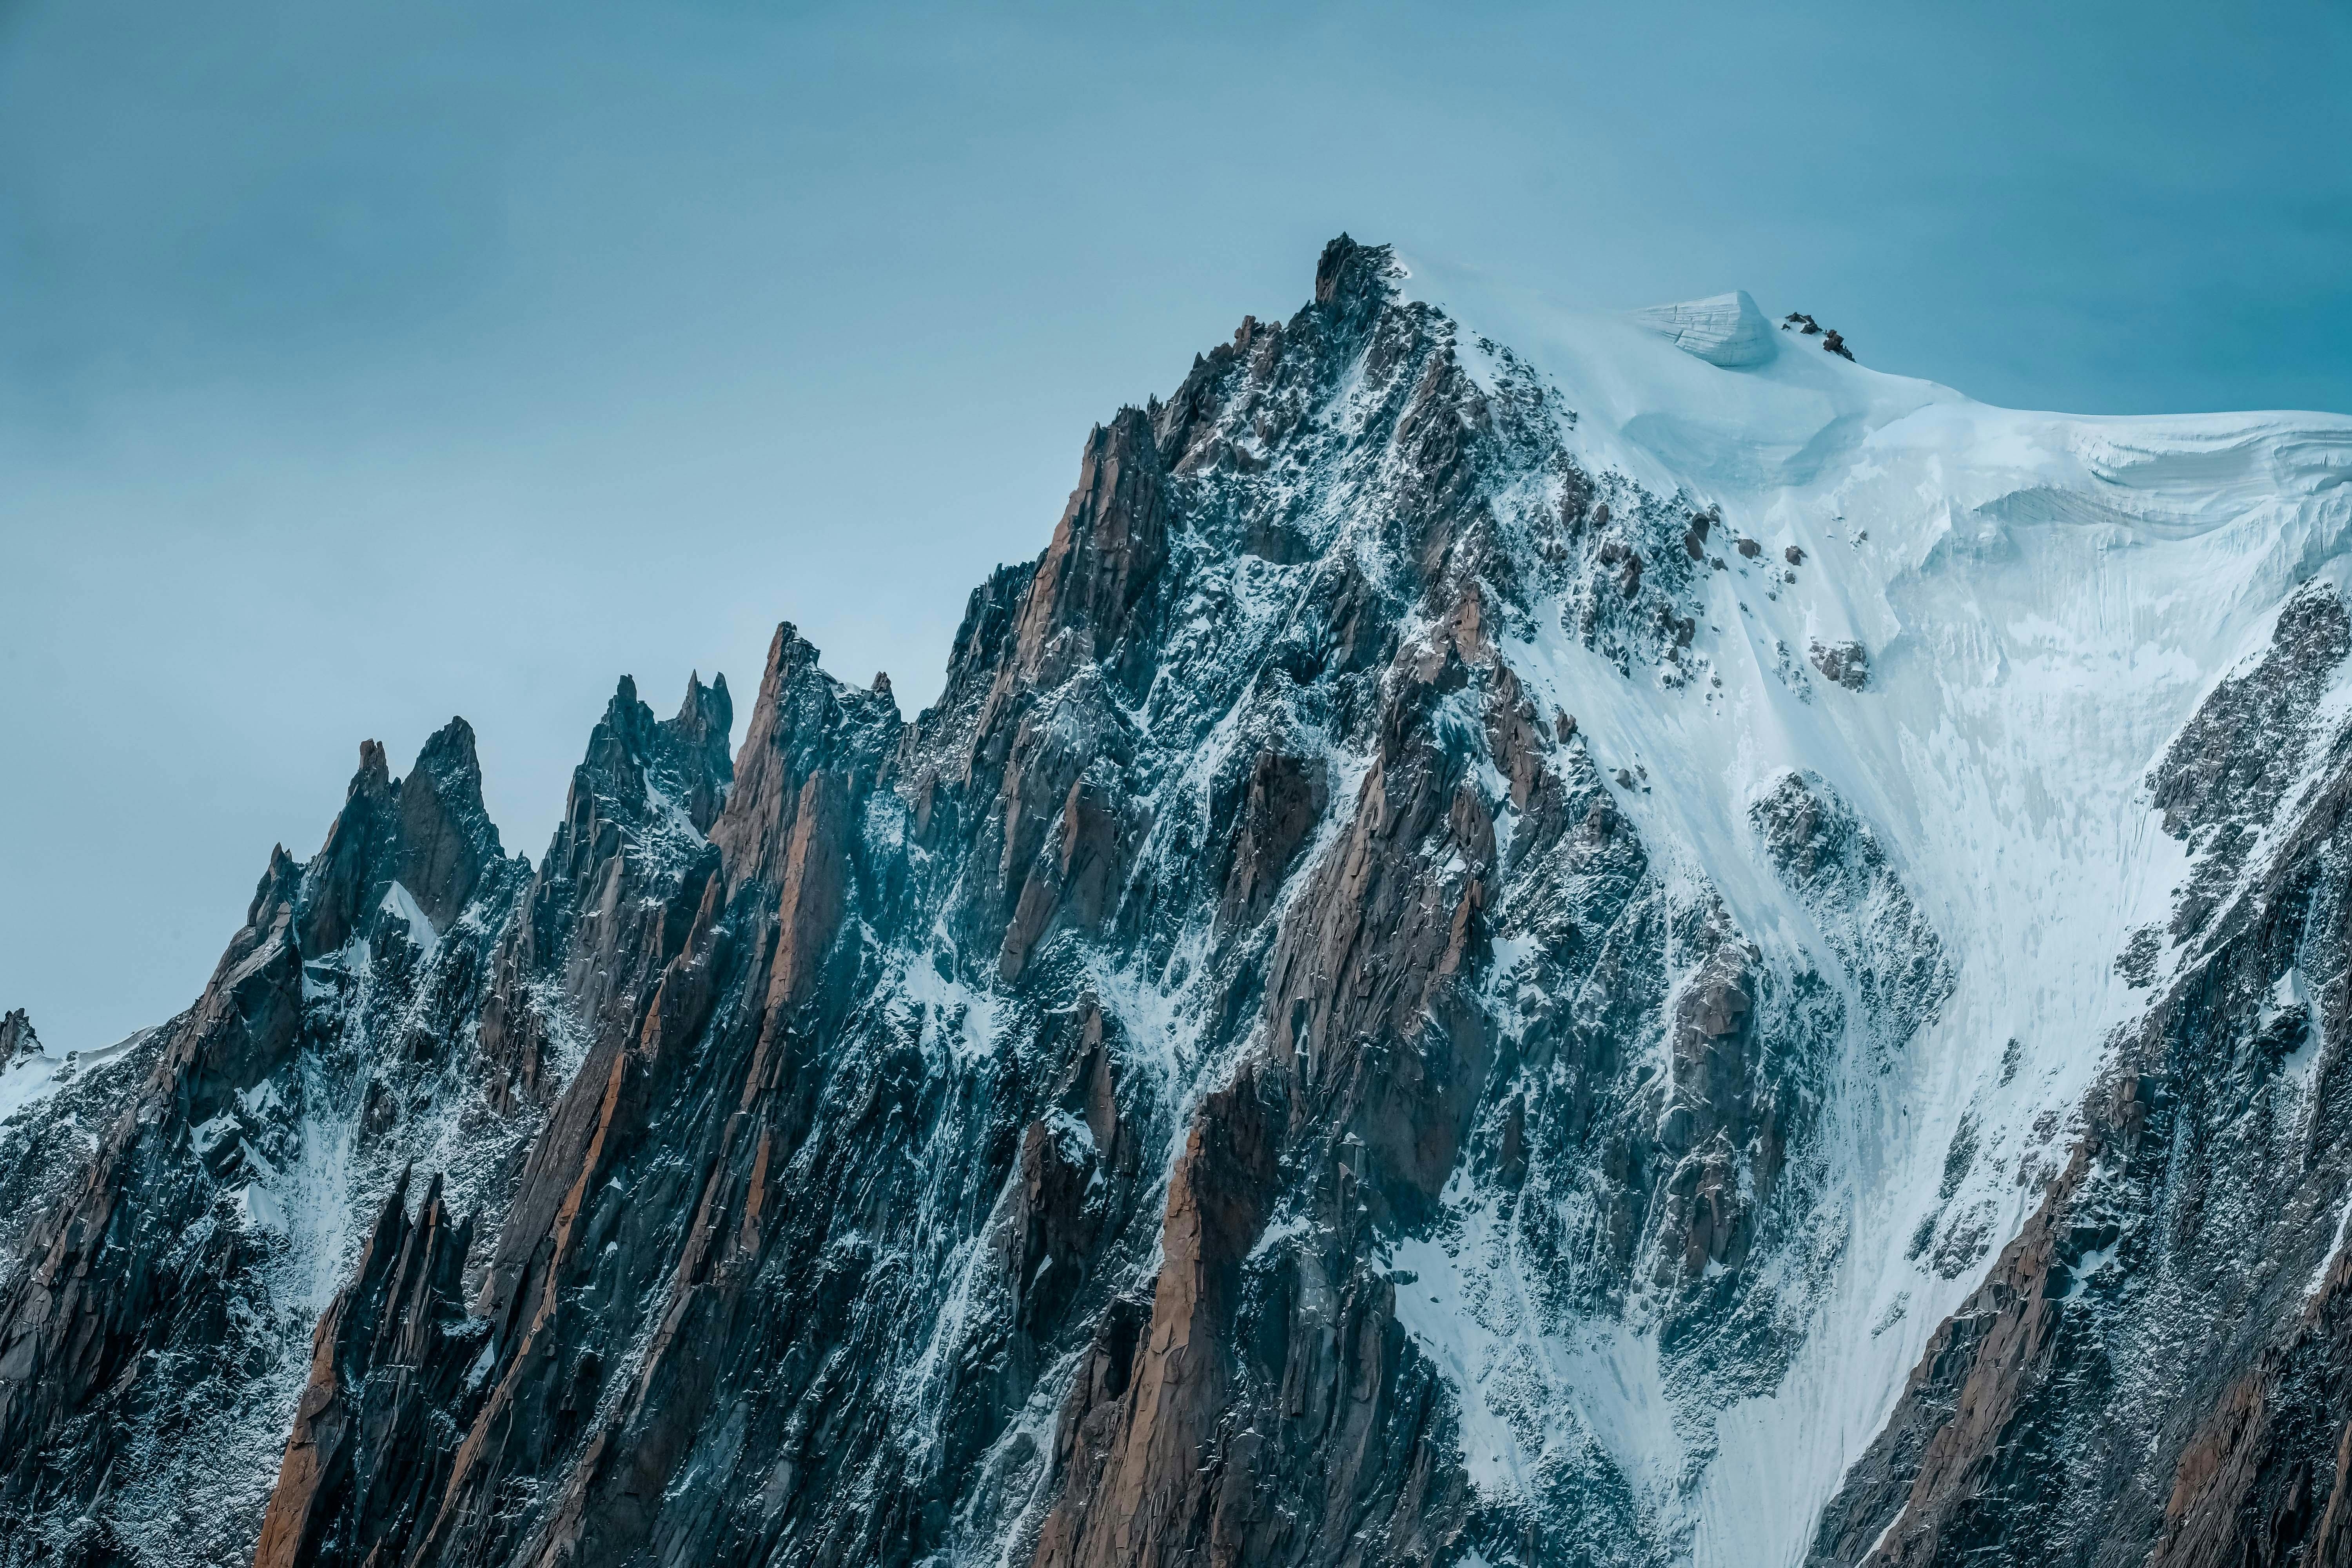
<point x="1534" y="939"/>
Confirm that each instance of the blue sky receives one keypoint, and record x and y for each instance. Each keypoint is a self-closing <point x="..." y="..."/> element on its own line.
<point x="362" y="364"/>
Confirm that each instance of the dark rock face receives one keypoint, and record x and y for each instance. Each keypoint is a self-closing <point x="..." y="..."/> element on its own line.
<point x="1237" y="1080"/>
<point x="388" y="1368"/>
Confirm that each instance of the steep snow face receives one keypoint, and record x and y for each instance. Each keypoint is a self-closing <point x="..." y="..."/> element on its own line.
<point x="2031" y="606"/>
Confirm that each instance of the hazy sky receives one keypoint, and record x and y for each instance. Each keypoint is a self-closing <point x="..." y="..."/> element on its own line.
<point x="365" y="362"/>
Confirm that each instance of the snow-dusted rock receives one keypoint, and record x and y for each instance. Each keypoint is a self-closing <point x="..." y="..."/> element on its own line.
<point x="1247" y="1078"/>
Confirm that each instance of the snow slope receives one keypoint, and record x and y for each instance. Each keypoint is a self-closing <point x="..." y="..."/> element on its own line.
<point x="2044" y="599"/>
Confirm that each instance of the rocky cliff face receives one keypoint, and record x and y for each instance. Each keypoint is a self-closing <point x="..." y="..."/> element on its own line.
<point x="1387" y="1015"/>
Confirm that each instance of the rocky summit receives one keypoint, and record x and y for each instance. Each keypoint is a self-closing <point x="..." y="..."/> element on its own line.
<point x="1534" y="939"/>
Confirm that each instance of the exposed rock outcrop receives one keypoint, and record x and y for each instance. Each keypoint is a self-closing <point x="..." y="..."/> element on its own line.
<point x="1846" y="662"/>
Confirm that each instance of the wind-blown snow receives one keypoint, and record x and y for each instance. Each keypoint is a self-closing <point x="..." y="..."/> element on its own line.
<point x="2044" y="599"/>
<point x="1726" y="330"/>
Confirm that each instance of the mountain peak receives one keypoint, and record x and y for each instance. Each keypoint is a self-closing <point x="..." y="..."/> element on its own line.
<point x="1089" y="599"/>
<point x="705" y="709"/>
<point x="446" y="837"/>
<point x="16" y="1038"/>
<point x="1585" y="950"/>
<point x="374" y="774"/>
<point x="1353" y="278"/>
